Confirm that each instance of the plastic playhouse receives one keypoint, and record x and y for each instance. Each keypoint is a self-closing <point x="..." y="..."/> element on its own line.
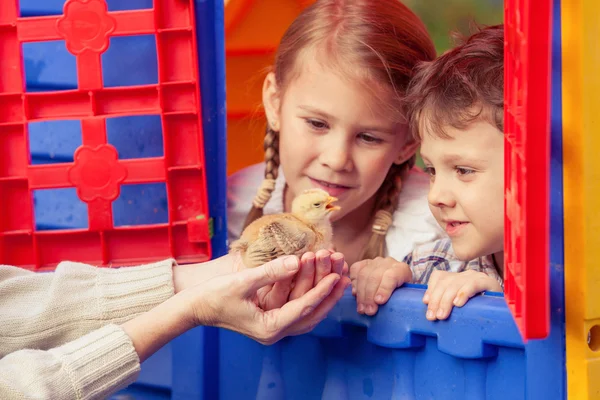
<point x="113" y="151"/>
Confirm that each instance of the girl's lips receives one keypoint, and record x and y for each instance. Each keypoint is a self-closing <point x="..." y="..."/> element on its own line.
<point x="454" y="228"/>
<point x="332" y="189"/>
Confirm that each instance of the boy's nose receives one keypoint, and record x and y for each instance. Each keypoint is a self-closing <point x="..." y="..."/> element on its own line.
<point x="440" y="195"/>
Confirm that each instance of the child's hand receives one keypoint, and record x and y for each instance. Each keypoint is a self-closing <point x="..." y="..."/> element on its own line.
<point x="448" y="289"/>
<point x="373" y="282"/>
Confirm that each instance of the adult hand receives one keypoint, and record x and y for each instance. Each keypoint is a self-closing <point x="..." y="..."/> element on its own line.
<point x="314" y="267"/>
<point x="231" y="301"/>
<point x="189" y="275"/>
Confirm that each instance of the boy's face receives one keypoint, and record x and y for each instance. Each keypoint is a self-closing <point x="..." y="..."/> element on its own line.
<point x="466" y="195"/>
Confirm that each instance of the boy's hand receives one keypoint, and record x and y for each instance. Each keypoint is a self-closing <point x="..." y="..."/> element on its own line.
<point x="448" y="289"/>
<point x="373" y="282"/>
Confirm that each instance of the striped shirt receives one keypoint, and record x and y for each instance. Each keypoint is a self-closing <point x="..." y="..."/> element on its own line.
<point x="439" y="255"/>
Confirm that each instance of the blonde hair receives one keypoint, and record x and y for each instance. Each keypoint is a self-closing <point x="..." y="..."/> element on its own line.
<point x="381" y="41"/>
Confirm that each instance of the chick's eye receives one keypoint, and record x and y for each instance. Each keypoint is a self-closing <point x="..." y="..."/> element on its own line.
<point x="317" y="205"/>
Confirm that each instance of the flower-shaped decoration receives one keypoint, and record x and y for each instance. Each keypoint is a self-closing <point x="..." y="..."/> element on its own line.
<point x="97" y="173"/>
<point x="86" y="25"/>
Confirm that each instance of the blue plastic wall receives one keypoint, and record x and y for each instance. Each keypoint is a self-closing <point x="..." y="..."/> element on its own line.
<point x="477" y="354"/>
<point x="398" y="354"/>
<point x="395" y="354"/>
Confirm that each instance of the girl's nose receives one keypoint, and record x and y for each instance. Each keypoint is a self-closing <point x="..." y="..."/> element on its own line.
<point x="337" y="157"/>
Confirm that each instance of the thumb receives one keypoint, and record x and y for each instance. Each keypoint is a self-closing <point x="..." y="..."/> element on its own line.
<point x="269" y="273"/>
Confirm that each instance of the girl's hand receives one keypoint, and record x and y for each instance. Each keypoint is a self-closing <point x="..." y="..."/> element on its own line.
<point x="374" y="281"/>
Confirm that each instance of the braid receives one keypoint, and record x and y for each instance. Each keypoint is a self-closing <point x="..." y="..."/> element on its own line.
<point x="271" y="147"/>
<point x="387" y="200"/>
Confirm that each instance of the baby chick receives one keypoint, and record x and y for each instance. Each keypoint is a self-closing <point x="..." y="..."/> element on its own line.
<point x="306" y="228"/>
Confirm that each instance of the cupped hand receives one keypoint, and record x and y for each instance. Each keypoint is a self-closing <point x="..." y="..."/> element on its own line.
<point x="232" y="301"/>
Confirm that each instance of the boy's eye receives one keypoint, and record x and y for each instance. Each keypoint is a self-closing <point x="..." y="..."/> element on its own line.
<point x="316" y="124"/>
<point x="464" y="171"/>
<point x="429" y="170"/>
<point x="369" y="139"/>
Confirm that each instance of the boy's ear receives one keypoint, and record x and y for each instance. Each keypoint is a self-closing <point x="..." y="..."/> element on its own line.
<point x="271" y="101"/>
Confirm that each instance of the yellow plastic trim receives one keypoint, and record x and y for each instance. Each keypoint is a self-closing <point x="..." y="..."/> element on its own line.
<point x="581" y="155"/>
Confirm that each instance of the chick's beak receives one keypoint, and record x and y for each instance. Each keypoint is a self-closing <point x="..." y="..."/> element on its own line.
<point x="328" y="206"/>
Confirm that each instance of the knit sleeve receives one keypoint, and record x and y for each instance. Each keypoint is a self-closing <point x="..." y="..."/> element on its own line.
<point x="91" y="367"/>
<point x="45" y="310"/>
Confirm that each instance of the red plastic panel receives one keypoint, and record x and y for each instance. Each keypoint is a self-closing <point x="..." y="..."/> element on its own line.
<point x="97" y="173"/>
<point x="527" y="163"/>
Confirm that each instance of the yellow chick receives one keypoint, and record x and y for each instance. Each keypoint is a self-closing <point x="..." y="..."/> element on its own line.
<point x="306" y="228"/>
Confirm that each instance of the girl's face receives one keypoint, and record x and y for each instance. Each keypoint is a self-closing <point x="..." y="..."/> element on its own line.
<point x="334" y="135"/>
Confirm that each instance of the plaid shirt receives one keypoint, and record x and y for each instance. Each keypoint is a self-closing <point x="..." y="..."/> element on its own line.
<point x="439" y="255"/>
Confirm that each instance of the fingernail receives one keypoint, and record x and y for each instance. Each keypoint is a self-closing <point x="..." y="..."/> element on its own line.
<point x="378" y="298"/>
<point x="308" y="257"/>
<point x="290" y="263"/>
<point x="455" y="302"/>
<point x="429" y="314"/>
<point x="440" y="313"/>
<point x="425" y="298"/>
<point x="361" y="308"/>
<point x="370" y="310"/>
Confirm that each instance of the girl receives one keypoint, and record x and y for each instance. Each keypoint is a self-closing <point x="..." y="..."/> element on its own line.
<point x="333" y="107"/>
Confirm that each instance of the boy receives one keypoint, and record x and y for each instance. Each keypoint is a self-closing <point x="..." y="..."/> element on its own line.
<point x="455" y="108"/>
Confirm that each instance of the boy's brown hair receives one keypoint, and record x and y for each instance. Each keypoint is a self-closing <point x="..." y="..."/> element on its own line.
<point x="462" y="85"/>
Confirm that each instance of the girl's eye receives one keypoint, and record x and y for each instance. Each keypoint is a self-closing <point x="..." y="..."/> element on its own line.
<point x="464" y="171"/>
<point x="369" y="139"/>
<point x="316" y="124"/>
<point x="429" y="171"/>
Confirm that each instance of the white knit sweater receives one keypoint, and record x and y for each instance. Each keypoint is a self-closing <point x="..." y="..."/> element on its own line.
<point x="59" y="333"/>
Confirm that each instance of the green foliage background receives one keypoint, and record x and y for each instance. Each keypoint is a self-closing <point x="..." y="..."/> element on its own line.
<point x="442" y="17"/>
